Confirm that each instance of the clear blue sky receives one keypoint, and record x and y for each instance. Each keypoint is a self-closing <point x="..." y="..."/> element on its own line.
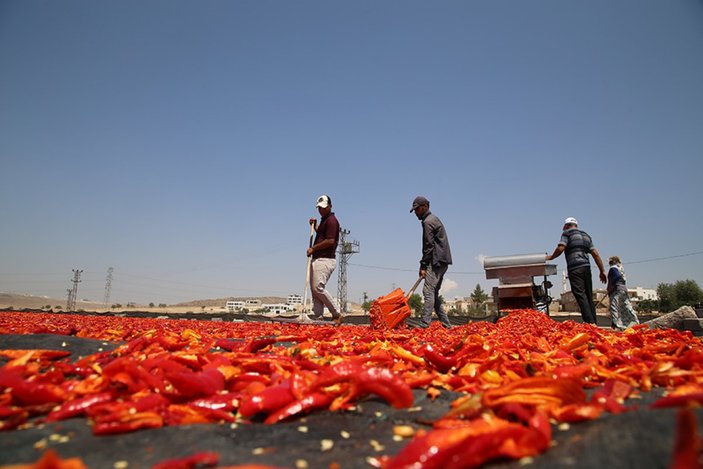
<point x="185" y="143"/>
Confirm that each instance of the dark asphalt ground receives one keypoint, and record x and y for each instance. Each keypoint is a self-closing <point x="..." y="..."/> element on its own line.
<point x="642" y="438"/>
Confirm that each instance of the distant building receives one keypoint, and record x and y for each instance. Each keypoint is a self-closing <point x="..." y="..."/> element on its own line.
<point x="234" y="305"/>
<point x="568" y="302"/>
<point x="294" y="300"/>
<point x="252" y="303"/>
<point x="277" y="308"/>
<point x="458" y="304"/>
<point x="639" y="293"/>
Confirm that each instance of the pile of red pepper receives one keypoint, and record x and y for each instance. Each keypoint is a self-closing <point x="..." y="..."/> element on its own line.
<point x="517" y="377"/>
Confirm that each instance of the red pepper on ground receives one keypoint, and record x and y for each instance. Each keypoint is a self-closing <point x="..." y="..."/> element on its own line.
<point x="78" y="406"/>
<point x="311" y="402"/>
<point x="204" y="459"/>
<point x="688" y="446"/>
<point x="267" y="401"/>
<point x="437" y="360"/>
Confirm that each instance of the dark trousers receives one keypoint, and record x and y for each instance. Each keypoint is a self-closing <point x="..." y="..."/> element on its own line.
<point x="582" y="288"/>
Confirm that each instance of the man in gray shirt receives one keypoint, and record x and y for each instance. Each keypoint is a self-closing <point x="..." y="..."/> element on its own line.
<point x="436" y="258"/>
<point x="578" y="245"/>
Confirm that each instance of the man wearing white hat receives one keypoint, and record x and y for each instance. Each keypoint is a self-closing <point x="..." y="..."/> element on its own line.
<point x="578" y="245"/>
<point x="323" y="259"/>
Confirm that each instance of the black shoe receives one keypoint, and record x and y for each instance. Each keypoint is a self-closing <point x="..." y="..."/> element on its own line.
<point x="446" y="325"/>
<point x="422" y="325"/>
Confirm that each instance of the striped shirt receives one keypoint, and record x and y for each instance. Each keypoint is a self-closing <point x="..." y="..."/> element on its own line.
<point x="578" y="245"/>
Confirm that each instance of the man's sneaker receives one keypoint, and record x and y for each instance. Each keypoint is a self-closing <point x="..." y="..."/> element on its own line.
<point x="423" y="325"/>
<point x="446" y="325"/>
<point x="337" y="320"/>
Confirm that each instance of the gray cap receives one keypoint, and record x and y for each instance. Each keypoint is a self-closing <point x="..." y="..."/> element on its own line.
<point x="419" y="200"/>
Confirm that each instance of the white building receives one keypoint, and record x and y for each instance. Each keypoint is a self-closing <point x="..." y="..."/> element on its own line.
<point x="277" y="308"/>
<point x="252" y="303"/>
<point x="640" y="293"/>
<point x="294" y="300"/>
<point x="234" y="305"/>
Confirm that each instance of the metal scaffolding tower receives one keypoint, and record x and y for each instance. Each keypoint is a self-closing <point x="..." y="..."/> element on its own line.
<point x="345" y="251"/>
<point x="73" y="292"/>
<point x="108" y="287"/>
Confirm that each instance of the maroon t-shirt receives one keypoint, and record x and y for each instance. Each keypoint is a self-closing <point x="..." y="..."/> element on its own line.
<point x="328" y="229"/>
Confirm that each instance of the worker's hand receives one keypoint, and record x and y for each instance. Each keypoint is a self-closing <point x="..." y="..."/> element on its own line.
<point x="422" y="273"/>
<point x="603" y="278"/>
<point x="310" y="251"/>
<point x="313" y="221"/>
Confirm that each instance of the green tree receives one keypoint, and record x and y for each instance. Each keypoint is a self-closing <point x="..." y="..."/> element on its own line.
<point x="681" y="293"/>
<point x="478" y="296"/>
<point x="416" y="304"/>
<point x="366" y="306"/>
<point x="151" y="305"/>
<point x="647" y="306"/>
<point x="162" y="305"/>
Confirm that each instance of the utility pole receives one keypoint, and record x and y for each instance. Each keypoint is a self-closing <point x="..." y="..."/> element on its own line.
<point x="108" y="287"/>
<point x="73" y="293"/>
<point x="345" y="250"/>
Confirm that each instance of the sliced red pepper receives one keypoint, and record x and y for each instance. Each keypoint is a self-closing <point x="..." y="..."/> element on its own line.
<point x="311" y="402"/>
<point x="51" y="460"/>
<point x="267" y="401"/>
<point x="384" y="383"/>
<point x="684" y="395"/>
<point x="227" y="402"/>
<point x="78" y="406"/>
<point x="577" y="412"/>
<point x="536" y="391"/>
<point x="379" y="381"/>
<point x="30" y="392"/>
<point x="438" y="361"/>
<point x="128" y="422"/>
<point x="12" y="417"/>
<point x="688" y="445"/>
<point x="198" y="383"/>
<point x="255" y="345"/>
<point x="204" y="458"/>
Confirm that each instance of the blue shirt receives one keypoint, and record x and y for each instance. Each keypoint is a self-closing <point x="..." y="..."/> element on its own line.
<point x="616" y="280"/>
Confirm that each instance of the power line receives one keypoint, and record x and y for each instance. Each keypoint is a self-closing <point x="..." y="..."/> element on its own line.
<point x="664" y="258"/>
<point x="397" y="269"/>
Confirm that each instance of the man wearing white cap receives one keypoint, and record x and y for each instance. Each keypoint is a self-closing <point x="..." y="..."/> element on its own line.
<point x="323" y="259"/>
<point x="578" y="245"/>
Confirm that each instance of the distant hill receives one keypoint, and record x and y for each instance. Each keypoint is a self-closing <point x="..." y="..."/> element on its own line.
<point x="222" y="301"/>
<point x="19" y="301"/>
